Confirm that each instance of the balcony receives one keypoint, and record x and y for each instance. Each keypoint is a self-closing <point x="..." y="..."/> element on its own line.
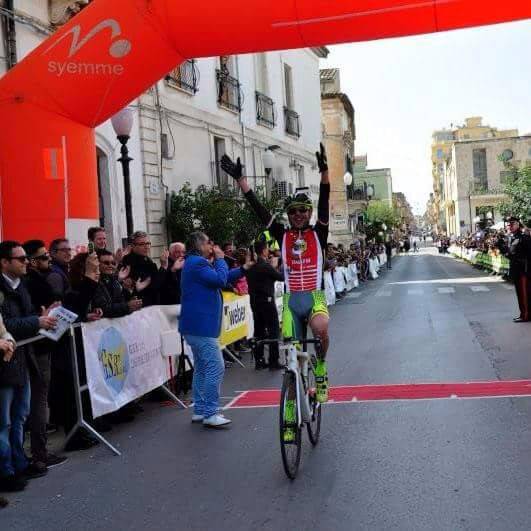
<point x="229" y="92"/>
<point x="292" y="123"/>
<point x="357" y="194"/>
<point x="265" y="110"/>
<point x="185" y="77"/>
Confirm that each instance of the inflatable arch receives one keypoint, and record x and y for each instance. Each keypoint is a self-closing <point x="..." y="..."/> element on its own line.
<point x="112" y="51"/>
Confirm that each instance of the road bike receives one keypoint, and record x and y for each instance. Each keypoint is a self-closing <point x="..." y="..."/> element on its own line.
<point x="298" y="399"/>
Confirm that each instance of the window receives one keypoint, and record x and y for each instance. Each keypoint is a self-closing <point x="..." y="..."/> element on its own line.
<point x="229" y="88"/>
<point x="220" y="177"/>
<point x="300" y="177"/>
<point x="480" y="169"/>
<point x="185" y="77"/>
<point x="288" y="86"/>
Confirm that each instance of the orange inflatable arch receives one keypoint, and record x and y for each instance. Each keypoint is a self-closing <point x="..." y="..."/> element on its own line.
<point x="112" y="51"/>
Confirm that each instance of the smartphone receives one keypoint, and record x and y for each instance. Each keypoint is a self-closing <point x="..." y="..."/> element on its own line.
<point x="91" y="248"/>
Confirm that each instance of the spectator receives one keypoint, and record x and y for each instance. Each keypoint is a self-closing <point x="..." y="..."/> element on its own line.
<point x="142" y="268"/>
<point x="22" y="323"/>
<point x="200" y="323"/>
<point x="13" y="400"/>
<point x="97" y="236"/>
<point x="110" y="295"/>
<point x="389" y="244"/>
<point x="61" y="254"/>
<point x="261" y="279"/>
<point x="228" y="249"/>
<point x="171" y="263"/>
<point x="41" y="294"/>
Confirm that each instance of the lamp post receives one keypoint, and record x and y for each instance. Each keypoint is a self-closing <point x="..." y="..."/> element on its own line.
<point x="347" y="179"/>
<point x="122" y="124"/>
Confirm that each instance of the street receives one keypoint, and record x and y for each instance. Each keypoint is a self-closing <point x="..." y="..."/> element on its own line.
<point x="408" y="464"/>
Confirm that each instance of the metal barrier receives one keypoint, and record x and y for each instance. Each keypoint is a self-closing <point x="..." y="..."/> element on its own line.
<point x="79" y="389"/>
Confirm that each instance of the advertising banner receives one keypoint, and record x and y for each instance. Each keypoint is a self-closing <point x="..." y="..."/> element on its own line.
<point x="124" y="357"/>
<point x="237" y="319"/>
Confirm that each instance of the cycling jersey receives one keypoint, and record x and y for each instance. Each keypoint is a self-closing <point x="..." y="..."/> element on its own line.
<point x="302" y="262"/>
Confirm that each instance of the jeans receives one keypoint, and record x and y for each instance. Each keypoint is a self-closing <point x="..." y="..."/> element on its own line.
<point x="208" y="374"/>
<point x="14" y="410"/>
<point x="266" y="326"/>
<point x="40" y="385"/>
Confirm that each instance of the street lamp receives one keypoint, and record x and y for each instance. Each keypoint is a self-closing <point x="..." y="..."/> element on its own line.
<point x="268" y="160"/>
<point x="347" y="178"/>
<point x="122" y="124"/>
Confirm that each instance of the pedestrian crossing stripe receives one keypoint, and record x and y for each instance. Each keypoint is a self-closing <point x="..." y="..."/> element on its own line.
<point x="353" y="295"/>
<point x="446" y="290"/>
<point x="415" y="292"/>
<point x="383" y="294"/>
<point x="479" y="288"/>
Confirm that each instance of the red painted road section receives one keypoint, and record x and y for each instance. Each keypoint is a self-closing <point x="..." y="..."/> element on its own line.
<point x="363" y="393"/>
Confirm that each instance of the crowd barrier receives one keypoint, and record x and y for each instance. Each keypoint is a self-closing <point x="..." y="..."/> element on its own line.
<point x="492" y="262"/>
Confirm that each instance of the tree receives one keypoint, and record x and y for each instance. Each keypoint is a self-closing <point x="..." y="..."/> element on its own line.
<point x="222" y="213"/>
<point x="379" y="212"/>
<point x="518" y="190"/>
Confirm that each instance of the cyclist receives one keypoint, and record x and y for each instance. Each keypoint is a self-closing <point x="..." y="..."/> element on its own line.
<point x="303" y="249"/>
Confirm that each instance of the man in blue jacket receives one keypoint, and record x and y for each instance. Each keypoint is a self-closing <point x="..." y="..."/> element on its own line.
<point x="204" y="275"/>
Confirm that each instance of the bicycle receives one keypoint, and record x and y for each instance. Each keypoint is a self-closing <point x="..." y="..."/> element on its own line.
<point x="298" y="396"/>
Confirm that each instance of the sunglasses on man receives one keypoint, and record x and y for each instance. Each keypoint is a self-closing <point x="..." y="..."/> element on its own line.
<point x="298" y="210"/>
<point x="107" y="263"/>
<point x="21" y="259"/>
<point x="42" y="257"/>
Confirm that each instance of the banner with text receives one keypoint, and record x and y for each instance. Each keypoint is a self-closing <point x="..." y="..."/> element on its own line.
<point x="124" y="357"/>
<point x="237" y="320"/>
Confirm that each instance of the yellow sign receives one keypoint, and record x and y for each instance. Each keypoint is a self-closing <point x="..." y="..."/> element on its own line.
<point x="237" y="319"/>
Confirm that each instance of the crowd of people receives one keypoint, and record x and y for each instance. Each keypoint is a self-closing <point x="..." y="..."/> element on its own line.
<point x="37" y="379"/>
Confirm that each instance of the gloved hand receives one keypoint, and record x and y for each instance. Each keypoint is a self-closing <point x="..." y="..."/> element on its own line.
<point x="229" y="167"/>
<point x="322" y="160"/>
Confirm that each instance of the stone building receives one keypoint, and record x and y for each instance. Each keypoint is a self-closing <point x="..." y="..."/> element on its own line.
<point x="339" y="134"/>
<point x="475" y="173"/>
<point x="442" y="143"/>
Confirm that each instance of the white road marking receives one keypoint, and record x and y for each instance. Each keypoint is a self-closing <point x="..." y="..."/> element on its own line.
<point x="477" y="289"/>
<point x="508" y="287"/>
<point x="415" y="292"/>
<point x="446" y="290"/>
<point x="353" y="295"/>
<point x="383" y="293"/>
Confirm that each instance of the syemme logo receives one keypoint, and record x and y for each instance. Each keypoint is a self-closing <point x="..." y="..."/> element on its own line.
<point x="118" y="49"/>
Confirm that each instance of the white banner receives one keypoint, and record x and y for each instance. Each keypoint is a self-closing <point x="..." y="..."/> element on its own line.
<point x="124" y="357"/>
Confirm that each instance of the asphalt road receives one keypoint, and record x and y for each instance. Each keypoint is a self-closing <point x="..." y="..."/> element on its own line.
<point x="422" y="464"/>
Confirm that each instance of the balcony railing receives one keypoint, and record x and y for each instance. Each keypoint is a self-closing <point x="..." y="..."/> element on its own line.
<point x="265" y="110"/>
<point x="229" y="91"/>
<point x="292" y="123"/>
<point x="357" y="194"/>
<point x="185" y="77"/>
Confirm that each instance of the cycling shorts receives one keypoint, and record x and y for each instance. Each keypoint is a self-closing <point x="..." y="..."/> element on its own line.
<point x="299" y="309"/>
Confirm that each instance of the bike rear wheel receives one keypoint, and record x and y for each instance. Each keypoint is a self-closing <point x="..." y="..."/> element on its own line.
<point x="290" y="449"/>
<point x="314" y="426"/>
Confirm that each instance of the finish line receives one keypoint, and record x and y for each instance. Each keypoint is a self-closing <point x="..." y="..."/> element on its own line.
<point x="396" y="392"/>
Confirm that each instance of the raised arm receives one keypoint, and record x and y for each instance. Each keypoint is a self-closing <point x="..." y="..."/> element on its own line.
<point x="235" y="170"/>
<point x="323" y="206"/>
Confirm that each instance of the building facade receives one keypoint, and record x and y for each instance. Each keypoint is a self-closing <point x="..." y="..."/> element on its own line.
<point x="380" y="179"/>
<point x="476" y="172"/>
<point x="339" y="134"/>
<point x="183" y="125"/>
<point x="442" y="143"/>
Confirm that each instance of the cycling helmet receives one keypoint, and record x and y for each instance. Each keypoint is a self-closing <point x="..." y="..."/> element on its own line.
<point x="298" y="200"/>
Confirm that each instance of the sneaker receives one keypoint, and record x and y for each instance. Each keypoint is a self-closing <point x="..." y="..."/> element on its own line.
<point x="260" y="364"/>
<point x="216" y="421"/>
<point x="55" y="460"/>
<point x="12" y="483"/>
<point x="197" y="418"/>
<point x="37" y="469"/>
<point x="3" y="502"/>
<point x="321" y="380"/>
<point x="290" y="418"/>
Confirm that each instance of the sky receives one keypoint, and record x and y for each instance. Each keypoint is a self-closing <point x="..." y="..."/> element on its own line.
<point x="404" y="89"/>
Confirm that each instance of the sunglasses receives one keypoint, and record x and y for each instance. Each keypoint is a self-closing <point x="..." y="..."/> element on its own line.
<point x="42" y="257"/>
<point x="298" y="210"/>
<point x="21" y="259"/>
<point x="108" y="263"/>
<point x="143" y="244"/>
<point x="64" y="250"/>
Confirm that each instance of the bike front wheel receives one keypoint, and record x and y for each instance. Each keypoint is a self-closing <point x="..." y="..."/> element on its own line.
<point x="290" y="431"/>
<point x="314" y="426"/>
